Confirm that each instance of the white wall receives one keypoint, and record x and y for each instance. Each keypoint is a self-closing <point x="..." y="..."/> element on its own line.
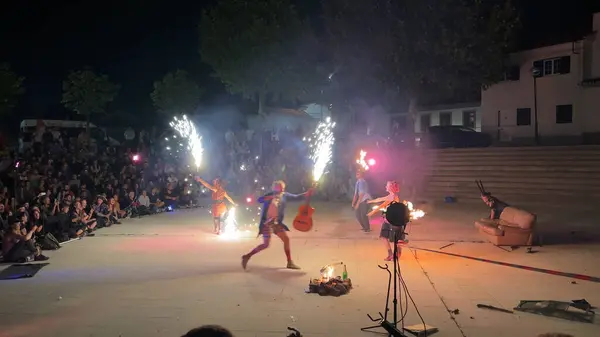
<point x="506" y="97"/>
<point x="562" y="89"/>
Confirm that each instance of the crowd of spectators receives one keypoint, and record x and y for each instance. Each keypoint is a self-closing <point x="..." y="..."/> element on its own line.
<point x="64" y="188"/>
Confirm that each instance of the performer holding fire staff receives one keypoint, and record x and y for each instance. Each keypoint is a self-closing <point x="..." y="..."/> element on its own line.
<point x="388" y="232"/>
<point x="271" y="221"/>
<point x="219" y="209"/>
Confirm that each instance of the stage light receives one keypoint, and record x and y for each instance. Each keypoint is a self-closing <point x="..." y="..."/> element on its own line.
<point x="371" y="162"/>
<point x="136" y="157"/>
<point x="248" y="200"/>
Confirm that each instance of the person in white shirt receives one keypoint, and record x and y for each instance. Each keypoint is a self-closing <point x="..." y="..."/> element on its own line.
<point x="144" y="200"/>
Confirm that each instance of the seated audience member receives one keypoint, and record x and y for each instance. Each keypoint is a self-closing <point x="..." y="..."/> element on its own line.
<point x="156" y="203"/>
<point x="102" y="213"/>
<point x="86" y="219"/>
<point x="63" y="223"/>
<point x="171" y="197"/>
<point x="117" y="207"/>
<point x="19" y="247"/>
<point x="78" y="228"/>
<point x="113" y="211"/>
<point x="130" y="205"/>
<point x="209" y="331"/>
<point x="144" y="203"/>
<point x="44" y="236"/>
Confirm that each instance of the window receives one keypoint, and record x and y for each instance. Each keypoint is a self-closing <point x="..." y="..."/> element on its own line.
<point x="425" y="122"/>
<point x="469" y="118"/>
<point x="564" y="114"/>
<point x="445" y="118"/>
<point x="554" y="66"/>
<point x="524" y="116"/>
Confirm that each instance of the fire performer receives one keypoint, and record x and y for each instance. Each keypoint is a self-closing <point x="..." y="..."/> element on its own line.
<point x="388" y="232"/>
<point x="219" y="209"/>
<point x="271" y="221"/>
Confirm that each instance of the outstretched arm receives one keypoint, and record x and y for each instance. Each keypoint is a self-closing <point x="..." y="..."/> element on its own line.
<point x="229" y="198"/>
<point x="207" y="185"/>
<point x="374" y="201"/>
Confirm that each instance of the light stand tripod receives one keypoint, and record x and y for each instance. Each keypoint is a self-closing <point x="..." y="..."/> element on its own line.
<point x="391" y="328"/>
<point x="397" y="216"/>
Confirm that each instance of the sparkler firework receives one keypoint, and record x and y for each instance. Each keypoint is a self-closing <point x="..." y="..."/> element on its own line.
<point x="321" y="144"/>
<point x="230" y="230"/>
<point x="187" y="130"/>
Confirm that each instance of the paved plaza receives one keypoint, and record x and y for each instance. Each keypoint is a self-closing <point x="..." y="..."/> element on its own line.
<point x="163" y="275"/>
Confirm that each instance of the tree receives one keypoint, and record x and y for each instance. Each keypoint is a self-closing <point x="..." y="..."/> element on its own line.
<point x="87" y="93"/>
<point x="176" y="93"/>
<point x="403" y="51"/>
<point x="11" y="87"/>
<point x="260" y="49"/>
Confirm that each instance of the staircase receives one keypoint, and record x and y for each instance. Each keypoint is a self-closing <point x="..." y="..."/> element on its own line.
<point x="559" y="176"/>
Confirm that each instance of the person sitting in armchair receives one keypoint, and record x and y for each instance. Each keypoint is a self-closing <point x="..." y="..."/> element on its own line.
<point x="496" y="205"/>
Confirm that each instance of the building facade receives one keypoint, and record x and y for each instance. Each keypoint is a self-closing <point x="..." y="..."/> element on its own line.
<point x="551" y="94"/>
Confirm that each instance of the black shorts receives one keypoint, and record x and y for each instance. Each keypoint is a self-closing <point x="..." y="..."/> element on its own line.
<point x="392" y="232"/>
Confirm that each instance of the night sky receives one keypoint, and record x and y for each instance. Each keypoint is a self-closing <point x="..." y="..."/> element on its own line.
<point x="137" y="42"/>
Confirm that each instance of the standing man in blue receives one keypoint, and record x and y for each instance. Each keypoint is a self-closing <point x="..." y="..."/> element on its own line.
<point x="359" y="202"/>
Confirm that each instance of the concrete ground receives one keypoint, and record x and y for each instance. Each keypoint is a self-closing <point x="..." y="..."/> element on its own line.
<point x="163" y="275"/>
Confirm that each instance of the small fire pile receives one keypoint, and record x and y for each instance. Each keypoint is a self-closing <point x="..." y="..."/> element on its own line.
<point x="330" y="287"/>
<point x="327" y="285"/>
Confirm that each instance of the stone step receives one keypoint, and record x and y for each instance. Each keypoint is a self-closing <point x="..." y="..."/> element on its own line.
<point x="520" y="179"/>
<point x="493" y="185"/>
<point x="512" y="168"/>
<point x="533" y="191"/>
<point x="531" y="204"/>
<point x="515" y="162"/>
<point x="476" y="174"/>
<point x="517" y="150"/>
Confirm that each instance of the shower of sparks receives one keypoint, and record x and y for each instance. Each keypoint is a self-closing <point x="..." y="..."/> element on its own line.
<point x="321" y="147"/>
<point x="361" y="160"/>
<point x="187" y="130"/>
<point x="230" y="230"/>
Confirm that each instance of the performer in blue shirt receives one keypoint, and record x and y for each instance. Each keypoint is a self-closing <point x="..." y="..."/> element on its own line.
<point x="271" y="221"/>
<point x="359" y="202"/>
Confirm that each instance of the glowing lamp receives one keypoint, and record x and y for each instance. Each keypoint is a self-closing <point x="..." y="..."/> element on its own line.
<point x="136" y="157"/>
<point x="371" y="162"/>
<point x="248" y="200"/>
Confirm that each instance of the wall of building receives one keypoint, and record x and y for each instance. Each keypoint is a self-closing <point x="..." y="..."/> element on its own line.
<point x="501" y="101"/>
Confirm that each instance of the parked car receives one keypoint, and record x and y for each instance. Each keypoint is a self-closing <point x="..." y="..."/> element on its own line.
<point x="439" y="137"/>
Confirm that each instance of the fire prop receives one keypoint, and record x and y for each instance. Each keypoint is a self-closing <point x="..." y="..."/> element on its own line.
<point x="328" y="285"/>
<point x="187" y="130"/>
<point x="361" y="160"/>
<point x="321" y="147"/>
<point x="415" y="213"/>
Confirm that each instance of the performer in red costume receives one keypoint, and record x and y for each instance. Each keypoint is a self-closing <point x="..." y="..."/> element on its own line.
<point x="218" y="201"/>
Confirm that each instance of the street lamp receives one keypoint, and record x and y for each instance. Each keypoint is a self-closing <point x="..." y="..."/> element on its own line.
<point x="535" y="72"/>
